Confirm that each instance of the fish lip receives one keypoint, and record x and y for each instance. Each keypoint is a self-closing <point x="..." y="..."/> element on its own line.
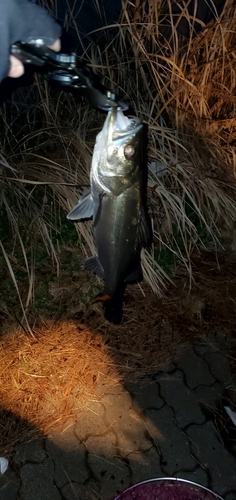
<point x="131" y="130"/>
<point x="113" y="133"/>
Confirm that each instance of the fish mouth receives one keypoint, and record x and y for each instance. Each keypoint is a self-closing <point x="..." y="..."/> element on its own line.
<point x="119" y="126"/>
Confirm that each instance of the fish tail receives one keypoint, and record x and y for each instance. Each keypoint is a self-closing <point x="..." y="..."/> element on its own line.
<point x="113" y="306"/>
<point x="114" y="310"/>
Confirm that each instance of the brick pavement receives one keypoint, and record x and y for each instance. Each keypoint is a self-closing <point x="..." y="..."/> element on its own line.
<point x="163" y="425"/>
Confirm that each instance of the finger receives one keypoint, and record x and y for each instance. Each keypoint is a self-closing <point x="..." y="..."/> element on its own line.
<point x="56" y="45"/>
<point x="16" y="68"/>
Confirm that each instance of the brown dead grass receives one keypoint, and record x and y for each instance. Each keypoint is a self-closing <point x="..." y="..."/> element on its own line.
<point x="49" y="378"/>
<point x="184" y="89"/>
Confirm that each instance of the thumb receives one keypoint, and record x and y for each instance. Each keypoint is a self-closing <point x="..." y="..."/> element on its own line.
<point x="17" y="68"/>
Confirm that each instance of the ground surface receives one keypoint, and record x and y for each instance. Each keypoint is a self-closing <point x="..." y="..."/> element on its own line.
<point x="167" y="424"/>
<point x="89" y="408"/>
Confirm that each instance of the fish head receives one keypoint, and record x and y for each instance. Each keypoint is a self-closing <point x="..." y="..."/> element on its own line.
<point x="118" y="152"/>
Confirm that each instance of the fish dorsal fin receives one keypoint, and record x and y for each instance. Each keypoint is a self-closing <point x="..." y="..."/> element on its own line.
<point x="83" y="209"/>
<point x="144" y="230"/>
<point x="93" y="264"/>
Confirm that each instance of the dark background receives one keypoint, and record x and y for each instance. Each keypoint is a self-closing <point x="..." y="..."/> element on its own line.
<point x="86" y="16"/>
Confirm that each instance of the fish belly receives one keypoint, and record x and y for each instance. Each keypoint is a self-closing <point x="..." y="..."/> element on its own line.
<point x="116" y="237"/>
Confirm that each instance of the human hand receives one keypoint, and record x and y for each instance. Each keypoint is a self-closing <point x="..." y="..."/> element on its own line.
<point x="17" y="68"/>
<point x="24" y="21"/>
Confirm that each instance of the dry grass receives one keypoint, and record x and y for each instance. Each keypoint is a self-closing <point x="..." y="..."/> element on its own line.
<point x="50" y="393"/>
<point x="184" y="90"/>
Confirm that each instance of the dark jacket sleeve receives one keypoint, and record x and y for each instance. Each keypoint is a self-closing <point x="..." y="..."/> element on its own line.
<point x="21" y="20"/>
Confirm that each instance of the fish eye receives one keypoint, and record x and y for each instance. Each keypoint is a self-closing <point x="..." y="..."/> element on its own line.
<point x="129" y="151"/>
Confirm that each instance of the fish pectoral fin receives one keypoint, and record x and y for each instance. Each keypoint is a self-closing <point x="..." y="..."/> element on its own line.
<point x="136" y="276"/>
<point x="83" y="209"/>
<point x="93" y="264"/>
<point x="144" y="230"/>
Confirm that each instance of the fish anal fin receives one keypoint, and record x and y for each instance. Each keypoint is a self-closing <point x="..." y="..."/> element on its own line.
<point x="84" y="209"/>
<point x="94" y="266"/>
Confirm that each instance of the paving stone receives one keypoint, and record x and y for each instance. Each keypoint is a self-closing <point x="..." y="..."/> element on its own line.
<point x="70" y="464"/>
<point x="128" y="426"/>
<point x="66" y="440"/>
<point x="33" y="452"/>
<point x="117" y="404"/>
<point x="93" y="488"/>
<point x="198" y="476"/>
<point x="219" y="366"/>
<point x="75" y="491"/>
<point x="205" y="344"/>
<point x="144" y="465"/>
<point x="210" y="452"/>
<point x="171" y="441"/>
<point x="209" y="395"/>
<point x="145" y="394"/>
<point x="112" y="473"/>
<point x="93" y="422"/>
<point x="102" y="445"/>
<point x="37" y="482"/>
<point x="9" y="485"/>
<point x="181" y="399"/>
<point x="105" y="385"/>
<point x="107" y="468"/>
<point x="213" y="342"/>
<point x="195" y="368"/>
<point x="215" y="353"/>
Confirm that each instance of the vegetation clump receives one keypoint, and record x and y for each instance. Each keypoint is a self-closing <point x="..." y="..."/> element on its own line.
<point x="184" y="91"/>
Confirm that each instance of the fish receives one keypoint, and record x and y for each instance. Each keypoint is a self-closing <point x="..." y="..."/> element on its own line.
<point x="116" y="202"/>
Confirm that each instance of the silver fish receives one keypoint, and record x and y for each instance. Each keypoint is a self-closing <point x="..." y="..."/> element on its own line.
<point x="116" y="202"/>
